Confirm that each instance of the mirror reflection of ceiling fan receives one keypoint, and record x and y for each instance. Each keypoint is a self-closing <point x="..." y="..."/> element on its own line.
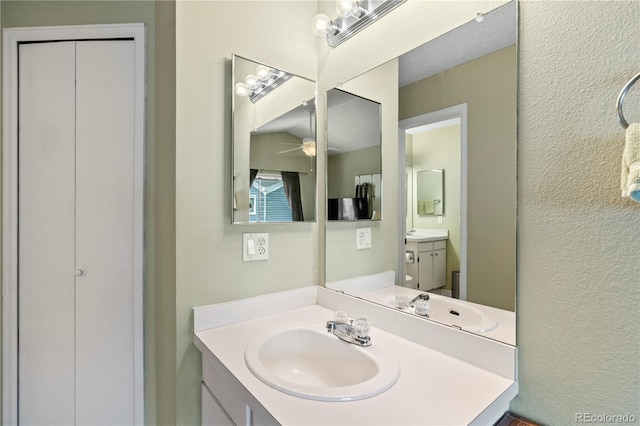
<point x="308" y="145"/>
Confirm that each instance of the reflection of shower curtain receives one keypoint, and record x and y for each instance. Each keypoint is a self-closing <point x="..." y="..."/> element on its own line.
<point x="291" y="183"/>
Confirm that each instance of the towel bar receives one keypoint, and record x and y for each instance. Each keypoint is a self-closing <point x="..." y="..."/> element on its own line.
<point x="621" y="96"/>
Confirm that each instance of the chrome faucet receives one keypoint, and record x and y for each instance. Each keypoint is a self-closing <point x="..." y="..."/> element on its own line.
<point x="355" y="332"/>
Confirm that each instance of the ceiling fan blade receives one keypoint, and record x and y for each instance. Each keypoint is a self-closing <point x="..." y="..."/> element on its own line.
<point x="290" y="150"/>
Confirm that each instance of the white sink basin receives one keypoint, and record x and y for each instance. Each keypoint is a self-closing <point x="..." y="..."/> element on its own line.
<point x="317" y="365"/>
<point x="424" y="235"/>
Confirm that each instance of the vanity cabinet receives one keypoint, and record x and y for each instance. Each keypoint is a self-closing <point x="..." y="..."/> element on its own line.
<point x="430" y="268"/>
<point x="225" y="401"/>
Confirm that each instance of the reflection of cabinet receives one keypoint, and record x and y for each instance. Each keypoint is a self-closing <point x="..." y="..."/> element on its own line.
<point x="430" y="268"/>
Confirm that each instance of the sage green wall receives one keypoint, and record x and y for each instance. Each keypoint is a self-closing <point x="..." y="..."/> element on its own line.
<point x="343" y="169"/>
<point x="208" y="247"/>
<point x="343" y="260"/>
<point x="488" y="86"/>
<point x="159" y="169"/>
<point x="440" y="149"/>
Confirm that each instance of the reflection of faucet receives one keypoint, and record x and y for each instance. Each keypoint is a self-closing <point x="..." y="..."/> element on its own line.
<point x="352" y="332"/>
<point x="424" y="296"/>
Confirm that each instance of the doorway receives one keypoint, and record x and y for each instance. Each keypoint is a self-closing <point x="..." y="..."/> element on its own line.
<point x="433" y="121"/>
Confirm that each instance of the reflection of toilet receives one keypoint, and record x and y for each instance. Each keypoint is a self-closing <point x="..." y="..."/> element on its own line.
<point x="408" y="281"/>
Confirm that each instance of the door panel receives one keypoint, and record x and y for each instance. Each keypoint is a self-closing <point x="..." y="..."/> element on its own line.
<point x="104" y="238"/>
<point x="76" y="180"/>
<point x="46" y="162"/>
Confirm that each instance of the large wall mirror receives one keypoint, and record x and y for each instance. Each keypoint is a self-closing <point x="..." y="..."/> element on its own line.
<point x="354" y="169"/>
<point x="274" y="145"/>
<point x="455" y="192"/>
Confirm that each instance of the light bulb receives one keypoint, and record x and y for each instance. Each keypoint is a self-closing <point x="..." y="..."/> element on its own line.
<point x="263" y="72"/>
<point x="242" y="89"/>
<point x="345" y="6"/>
<point x="321" y="24"/>
<point x="350" y="7"/>
<point x="251" y="81"/>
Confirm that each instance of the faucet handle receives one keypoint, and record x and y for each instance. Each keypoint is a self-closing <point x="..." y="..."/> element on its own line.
<point x="362" y="328"/>
<point x="340" y="316"/>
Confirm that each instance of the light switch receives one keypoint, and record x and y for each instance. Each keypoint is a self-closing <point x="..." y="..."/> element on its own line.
<point x="255" y="247"/>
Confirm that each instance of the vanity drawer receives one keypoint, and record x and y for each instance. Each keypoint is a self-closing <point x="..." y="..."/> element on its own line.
<point x="422" y="247"/>
<point x="225" y="390"/>
<point x="442" y="244"/>
<point x="212" y="413"/>
<point x="231" y="398"/>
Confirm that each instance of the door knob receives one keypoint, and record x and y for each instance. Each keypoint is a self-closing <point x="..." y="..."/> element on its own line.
<point x="79" y="272"/>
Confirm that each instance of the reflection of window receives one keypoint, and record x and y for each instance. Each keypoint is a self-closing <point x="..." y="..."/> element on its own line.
<point x="252" y="204"/>
<point x="268" y="202"/>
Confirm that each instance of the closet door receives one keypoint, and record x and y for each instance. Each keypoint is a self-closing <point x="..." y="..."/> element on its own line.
<point x="46" y="294"/>
<point x="76" y="236"/>
<point x="104" y="232"/>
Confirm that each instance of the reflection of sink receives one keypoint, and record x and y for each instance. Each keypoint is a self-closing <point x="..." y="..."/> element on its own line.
<point x="453" y="312"/>
<point x="423" y="235"/>
<point x="317" y="365"/>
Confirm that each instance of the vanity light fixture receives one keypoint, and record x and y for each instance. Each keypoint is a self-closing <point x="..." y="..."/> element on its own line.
<point x="264" y="81"/>
<point x="355" y="15"/>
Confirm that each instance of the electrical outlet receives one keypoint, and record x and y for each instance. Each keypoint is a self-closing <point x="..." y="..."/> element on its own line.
<point x="255" y="247"/>
<point x="440" y="220"/>
<point x="363" y="238"/>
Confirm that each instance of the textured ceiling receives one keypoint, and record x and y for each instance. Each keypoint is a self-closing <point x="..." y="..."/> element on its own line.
<point x="463" y="44"/>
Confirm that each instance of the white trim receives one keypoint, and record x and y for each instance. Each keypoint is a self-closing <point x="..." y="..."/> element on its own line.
<point x="457" y="111"/>
<point x="11" y="37"/>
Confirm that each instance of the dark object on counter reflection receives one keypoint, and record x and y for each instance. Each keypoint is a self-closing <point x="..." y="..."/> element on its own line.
<point x="348" y="208"/>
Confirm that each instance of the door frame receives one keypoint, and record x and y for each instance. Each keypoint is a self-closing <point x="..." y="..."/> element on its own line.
<point x="456" y="111"/>
<point x="12" y="37"/>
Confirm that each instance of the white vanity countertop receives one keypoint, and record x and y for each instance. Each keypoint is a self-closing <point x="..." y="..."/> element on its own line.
<point x="433" y="388"/>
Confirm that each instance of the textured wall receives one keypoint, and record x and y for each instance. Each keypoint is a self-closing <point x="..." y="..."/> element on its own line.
<point x="578" y="241"/>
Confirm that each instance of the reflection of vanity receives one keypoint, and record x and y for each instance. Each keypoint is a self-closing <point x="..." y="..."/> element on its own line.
<point x="427" y="262"/>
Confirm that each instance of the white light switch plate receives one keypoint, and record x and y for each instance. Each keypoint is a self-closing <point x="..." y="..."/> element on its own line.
<point x="255" y="247"/>
<point x="363" y="238"/>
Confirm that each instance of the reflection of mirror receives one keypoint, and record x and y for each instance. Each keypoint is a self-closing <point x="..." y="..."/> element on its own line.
<point x="354" y="170"/>
<point x="468" y="75"/>
<point x="274" y="151"/>
<point x="429" y="196"/>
